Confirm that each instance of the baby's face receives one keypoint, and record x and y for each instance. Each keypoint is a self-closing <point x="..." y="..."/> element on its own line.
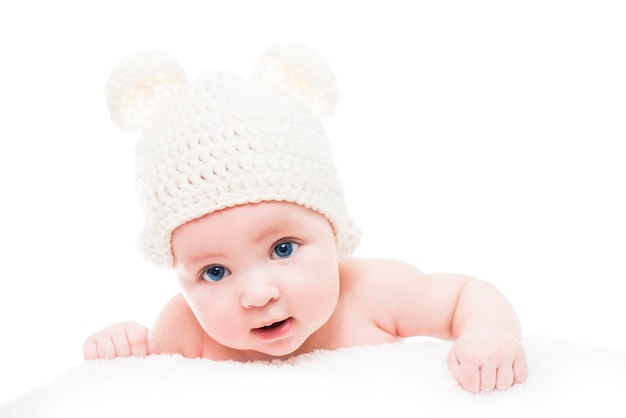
<point x="260" y="277"/>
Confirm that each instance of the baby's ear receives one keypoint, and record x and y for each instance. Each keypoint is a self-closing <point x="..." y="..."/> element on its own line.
<point x="303" y="74"/>
<point x="140" y="85"/>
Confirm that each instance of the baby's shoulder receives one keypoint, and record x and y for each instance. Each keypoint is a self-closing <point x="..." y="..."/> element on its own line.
<point x="178" y="329"/>
<point x="362" y="269"/>
<point x="372" y="289"/>
<point x="372" y="274"/>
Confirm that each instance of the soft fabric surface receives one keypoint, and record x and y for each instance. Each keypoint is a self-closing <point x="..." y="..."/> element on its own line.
<point x="408" y="378"/>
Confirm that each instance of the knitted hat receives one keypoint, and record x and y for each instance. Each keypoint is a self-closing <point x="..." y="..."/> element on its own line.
<point x="225" y="140"/>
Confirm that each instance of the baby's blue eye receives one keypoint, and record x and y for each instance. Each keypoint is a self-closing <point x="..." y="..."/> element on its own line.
<point x="285" y="249"/>
<point x="215" y="273"/>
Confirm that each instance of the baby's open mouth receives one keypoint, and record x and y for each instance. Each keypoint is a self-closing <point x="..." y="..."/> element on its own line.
<point x="274" y="325"/>
<point x="275" y="330"/>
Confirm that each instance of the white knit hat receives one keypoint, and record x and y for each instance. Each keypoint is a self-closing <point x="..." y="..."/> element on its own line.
<point x="225" y="140"/>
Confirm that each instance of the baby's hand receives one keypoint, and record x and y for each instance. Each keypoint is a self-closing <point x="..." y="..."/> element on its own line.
<point x="486" y="360"/>
<point x="124" y="339"/>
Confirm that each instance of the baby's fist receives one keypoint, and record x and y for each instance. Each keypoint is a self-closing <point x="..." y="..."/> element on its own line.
<point x="487" y="360"/>
<point x="125" y="339"/>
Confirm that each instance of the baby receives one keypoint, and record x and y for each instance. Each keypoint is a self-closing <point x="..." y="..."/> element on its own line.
<point x="243" y="201"/>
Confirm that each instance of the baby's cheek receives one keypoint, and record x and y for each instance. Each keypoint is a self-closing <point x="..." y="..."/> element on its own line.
<point x="223" y="319"/>
<point x="321" y="300"/>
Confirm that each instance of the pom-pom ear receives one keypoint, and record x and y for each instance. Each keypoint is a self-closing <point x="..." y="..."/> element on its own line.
<point x="302" y="73"/>
<point x="139" y="85"/>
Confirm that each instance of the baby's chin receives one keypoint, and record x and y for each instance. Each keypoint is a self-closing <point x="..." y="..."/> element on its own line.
<point x="265" y="354"/>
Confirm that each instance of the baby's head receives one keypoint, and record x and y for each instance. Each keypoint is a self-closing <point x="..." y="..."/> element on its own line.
<point x="224" y="140"/>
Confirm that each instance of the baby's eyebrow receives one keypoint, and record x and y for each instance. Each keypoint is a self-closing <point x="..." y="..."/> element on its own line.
<point x="286" y="227"/>
<point x="191" y="261"/>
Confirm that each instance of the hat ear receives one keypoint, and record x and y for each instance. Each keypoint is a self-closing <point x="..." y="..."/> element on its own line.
<point x="139" y="85"/>
<point x="302" y="73"/>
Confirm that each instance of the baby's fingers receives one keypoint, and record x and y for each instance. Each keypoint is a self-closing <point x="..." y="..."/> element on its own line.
<point x="124" y="339"/>
<point x="469" y="377"/>
<point x="512" y="374"/>
<point x="141" y="342"/>
<point x="466" y="374"/>
<point x="504" y="377"/>
<point x="90" y="350"/>
<point x="474" y="378"/>
<point x="99" y="347"/>
<point x="520" y="370"/>
<point x="488" y="378"/>
<point x="119" y="345"/>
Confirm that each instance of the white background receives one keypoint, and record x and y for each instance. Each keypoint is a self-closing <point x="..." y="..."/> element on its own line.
<point x="472" y="137"/>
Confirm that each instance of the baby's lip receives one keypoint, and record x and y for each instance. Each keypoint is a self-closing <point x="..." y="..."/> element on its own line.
<point x="274" y="329"/>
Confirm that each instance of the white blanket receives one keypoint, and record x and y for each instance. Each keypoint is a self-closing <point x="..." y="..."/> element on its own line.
<point x="409" y="378"/>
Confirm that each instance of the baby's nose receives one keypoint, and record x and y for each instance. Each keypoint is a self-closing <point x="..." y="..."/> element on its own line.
<point x="258" y="292"/>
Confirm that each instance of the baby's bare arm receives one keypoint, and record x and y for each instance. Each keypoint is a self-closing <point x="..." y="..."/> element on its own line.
<point x="487" y="353"/>
<point x="175" y="331"/>
<point x="481" y="305"/>
<point x="178" y="329"/>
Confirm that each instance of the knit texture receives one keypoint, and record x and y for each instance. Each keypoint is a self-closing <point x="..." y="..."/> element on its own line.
<point x="225" y="140"/>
